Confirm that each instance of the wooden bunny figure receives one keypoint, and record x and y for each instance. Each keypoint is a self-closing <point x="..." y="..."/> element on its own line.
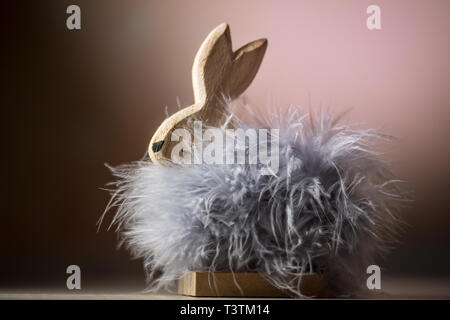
<point x="217" y="72"/>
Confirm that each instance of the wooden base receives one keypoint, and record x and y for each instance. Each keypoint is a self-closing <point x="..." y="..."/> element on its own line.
<point x="223" y="284"/>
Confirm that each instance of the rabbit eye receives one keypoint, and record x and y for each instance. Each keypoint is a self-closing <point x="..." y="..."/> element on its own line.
<point x="157" y="146"/>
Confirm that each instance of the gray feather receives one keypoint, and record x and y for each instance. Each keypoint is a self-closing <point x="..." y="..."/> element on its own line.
<point x="331" y="208"/>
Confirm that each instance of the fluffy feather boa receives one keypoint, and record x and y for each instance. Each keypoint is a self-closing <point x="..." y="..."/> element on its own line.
<point x="330" y="208"/>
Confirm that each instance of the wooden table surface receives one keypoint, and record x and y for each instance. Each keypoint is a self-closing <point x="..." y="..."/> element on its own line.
<point x="392" y="288"/>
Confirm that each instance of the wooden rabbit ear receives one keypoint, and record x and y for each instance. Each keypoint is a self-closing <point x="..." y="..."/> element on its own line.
<point x="211" y="64"/>
<point x="244" y="67"/>
<point x="217" y="68"/>
<point x="217" y="72"/>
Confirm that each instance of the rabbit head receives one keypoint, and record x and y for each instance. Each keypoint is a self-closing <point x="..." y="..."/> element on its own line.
<point x="217" y="72"/>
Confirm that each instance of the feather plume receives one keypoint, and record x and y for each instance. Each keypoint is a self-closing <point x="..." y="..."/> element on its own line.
<point x="331" y="207"/>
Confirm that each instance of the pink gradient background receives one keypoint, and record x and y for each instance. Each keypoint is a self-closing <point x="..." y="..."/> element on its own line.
<point x="78" y="99"/>
<point x="320" y="53"/>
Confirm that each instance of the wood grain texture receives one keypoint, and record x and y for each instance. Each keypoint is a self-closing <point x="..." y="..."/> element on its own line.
<point x="217" y="73"/>
<point x="251" y="284"/>
<point x="393" y="287"/>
